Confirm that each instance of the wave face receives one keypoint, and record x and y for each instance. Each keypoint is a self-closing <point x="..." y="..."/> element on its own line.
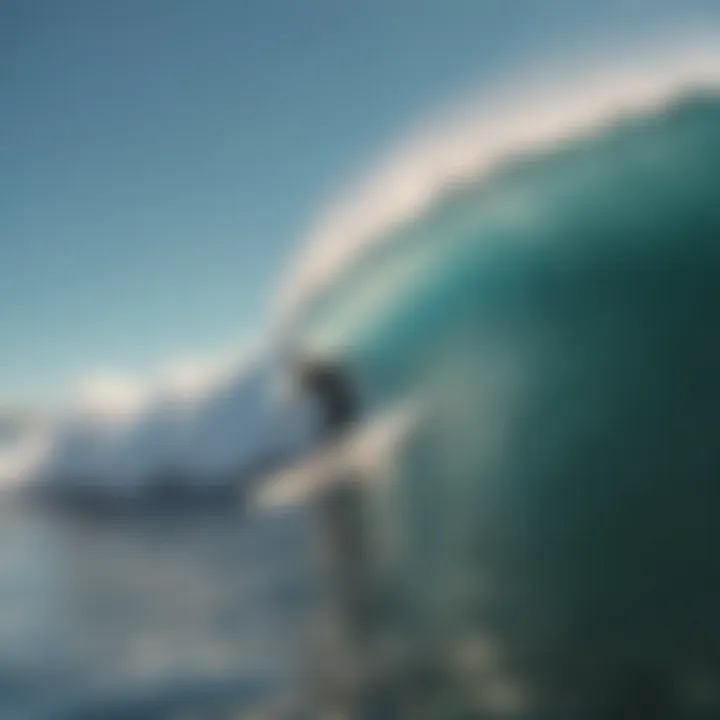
<point x="559" y="320"/>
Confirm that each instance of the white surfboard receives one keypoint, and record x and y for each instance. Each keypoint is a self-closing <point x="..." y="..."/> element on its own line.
<point x="359" y="456"/>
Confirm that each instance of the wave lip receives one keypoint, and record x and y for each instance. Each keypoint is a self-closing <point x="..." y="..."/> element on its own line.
<point x="470" y="142"/>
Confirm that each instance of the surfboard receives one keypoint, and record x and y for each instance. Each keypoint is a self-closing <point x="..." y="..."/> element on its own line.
<point x="357" y="456"/>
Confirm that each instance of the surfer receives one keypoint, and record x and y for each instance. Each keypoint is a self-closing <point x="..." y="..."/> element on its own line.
<point x="340" y="508"/>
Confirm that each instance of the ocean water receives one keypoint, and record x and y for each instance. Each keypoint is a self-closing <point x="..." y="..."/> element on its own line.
<point x="557" y="322"/>
<point x="147" y="617"/>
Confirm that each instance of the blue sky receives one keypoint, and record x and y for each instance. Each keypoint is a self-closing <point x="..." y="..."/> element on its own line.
<point x="161" y="159"/>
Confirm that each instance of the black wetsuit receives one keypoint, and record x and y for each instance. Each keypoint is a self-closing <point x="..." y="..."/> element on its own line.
<point x="329" y="385"/>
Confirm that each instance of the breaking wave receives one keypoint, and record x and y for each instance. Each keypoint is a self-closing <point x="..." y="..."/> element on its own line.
<point x="557" y="311"/>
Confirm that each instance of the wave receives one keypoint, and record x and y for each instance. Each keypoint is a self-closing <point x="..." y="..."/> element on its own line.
<point x="557" y="316"/>
<point x="630" y="185"/>
<point x="525" y="115"/>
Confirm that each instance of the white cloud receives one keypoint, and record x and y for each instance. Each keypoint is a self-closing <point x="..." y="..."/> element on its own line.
<point x="203" y="415"/>
<point x="110" y="396"/>
<point x="115" y="397"/>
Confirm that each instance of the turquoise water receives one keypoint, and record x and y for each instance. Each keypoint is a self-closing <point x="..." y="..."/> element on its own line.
<point x="558" y="322"/>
